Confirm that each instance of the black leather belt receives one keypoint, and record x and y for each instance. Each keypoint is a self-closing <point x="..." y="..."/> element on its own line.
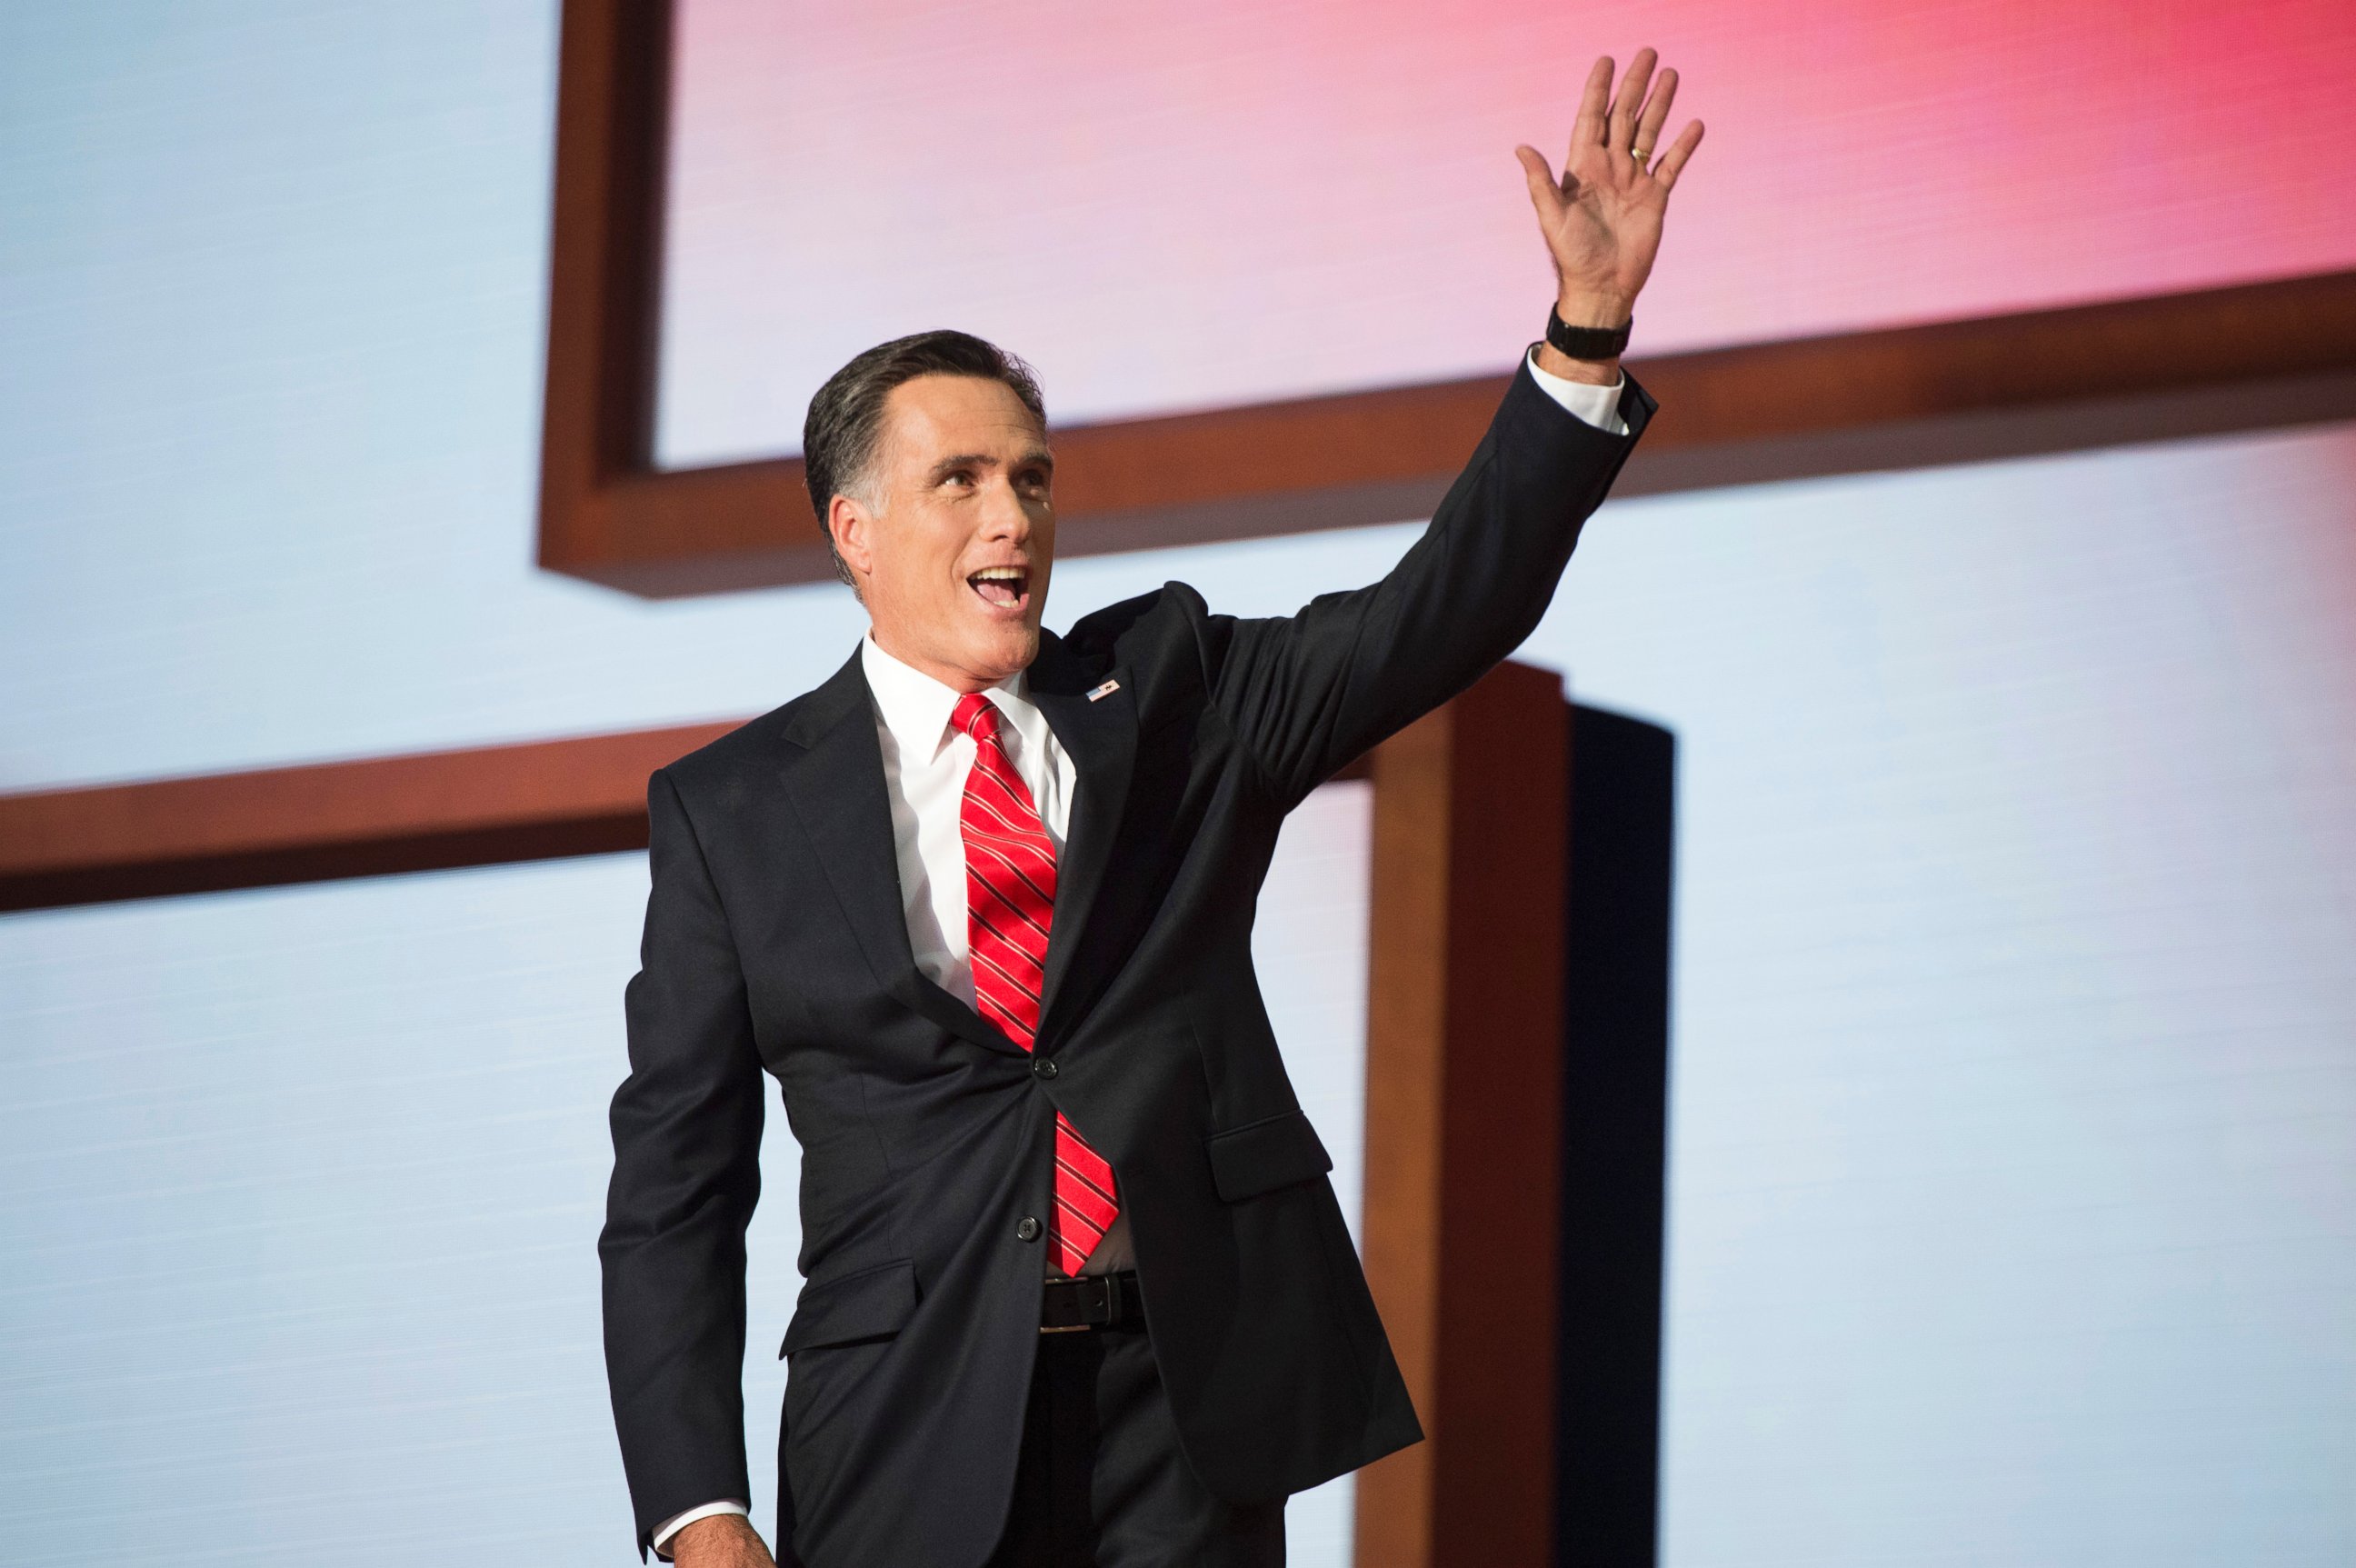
<point x="1092" y="1301"/>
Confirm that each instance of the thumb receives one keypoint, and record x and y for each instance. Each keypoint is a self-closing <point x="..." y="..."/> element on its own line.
<point x="1545" y="194"/>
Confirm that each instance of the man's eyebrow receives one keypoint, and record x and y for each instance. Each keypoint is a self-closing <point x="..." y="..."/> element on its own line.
<point x="949" y="466"/>
<point x="1037" y="457"/>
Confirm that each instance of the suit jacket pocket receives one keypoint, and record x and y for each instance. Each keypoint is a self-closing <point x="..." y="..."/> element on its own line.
<point x="872" y="1304"/>
<point x="1263" y="1155"/>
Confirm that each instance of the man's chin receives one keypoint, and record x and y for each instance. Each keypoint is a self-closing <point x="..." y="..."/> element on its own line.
<point x="1007" y="650"/>
<point x="1023" y="647"/>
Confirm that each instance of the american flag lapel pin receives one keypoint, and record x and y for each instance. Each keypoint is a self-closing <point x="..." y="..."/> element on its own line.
<point x="1107" y="689"/>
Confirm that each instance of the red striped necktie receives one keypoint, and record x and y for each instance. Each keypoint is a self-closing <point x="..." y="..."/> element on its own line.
<point x="1009" y="900"/>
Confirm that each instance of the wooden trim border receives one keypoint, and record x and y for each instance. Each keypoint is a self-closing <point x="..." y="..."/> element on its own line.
<point x="374" y="817"/>
<point x="426" y="812"/>
<point x="2218" y="360"/>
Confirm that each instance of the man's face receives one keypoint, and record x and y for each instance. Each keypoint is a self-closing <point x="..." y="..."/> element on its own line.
<point x="954" y="563"/>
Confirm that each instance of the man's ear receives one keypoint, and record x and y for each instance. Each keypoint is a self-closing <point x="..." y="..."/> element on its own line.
<point x="852" y="525"/>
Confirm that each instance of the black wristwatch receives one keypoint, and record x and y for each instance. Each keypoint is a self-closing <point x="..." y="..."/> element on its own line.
<point x="1587" y="342"/>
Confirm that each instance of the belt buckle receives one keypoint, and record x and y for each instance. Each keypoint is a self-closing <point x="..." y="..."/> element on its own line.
<point x="1095" y="1300"/>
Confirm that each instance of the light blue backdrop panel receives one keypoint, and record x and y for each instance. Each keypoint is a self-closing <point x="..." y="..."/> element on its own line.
<point x="301" y="1201"/>
<point x="299" y="1193"/>
<point x="2012" y="1195"/>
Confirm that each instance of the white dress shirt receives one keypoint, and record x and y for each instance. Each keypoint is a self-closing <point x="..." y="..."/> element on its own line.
<point x="926" y="761"/>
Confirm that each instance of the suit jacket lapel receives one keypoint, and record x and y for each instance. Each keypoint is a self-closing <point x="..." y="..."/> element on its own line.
<point x="1101" y="734"/>
<point x="836" y="784"/>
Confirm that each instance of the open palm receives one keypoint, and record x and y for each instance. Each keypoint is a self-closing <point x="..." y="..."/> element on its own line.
<point x="1602" y="217"/>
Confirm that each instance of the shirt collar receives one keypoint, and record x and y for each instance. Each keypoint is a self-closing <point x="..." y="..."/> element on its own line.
<point x="915" y="708"/>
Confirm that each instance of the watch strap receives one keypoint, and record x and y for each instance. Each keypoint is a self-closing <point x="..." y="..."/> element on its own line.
<point x="1587" y="342"/>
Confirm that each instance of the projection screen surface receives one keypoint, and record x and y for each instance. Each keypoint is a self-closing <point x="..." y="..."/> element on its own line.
<point x="1182" y="204"/>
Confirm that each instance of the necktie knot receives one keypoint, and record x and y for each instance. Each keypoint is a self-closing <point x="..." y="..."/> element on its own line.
<point x="977" y="716"/>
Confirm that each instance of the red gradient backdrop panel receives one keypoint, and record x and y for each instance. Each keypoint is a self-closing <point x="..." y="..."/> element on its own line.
<point x="1173" y="206"/>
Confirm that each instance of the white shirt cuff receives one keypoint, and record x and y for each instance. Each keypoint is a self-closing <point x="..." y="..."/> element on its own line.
<point x="678" y="1522"/>
<point x="1595" y="405"/>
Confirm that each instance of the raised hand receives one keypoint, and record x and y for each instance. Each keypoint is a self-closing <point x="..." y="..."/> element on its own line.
<point x="1603" y="218"/>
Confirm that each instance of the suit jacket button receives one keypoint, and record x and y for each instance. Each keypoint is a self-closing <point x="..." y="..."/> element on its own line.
<point x="1028" y="1230"/>
<point x="1045" y="1069"/>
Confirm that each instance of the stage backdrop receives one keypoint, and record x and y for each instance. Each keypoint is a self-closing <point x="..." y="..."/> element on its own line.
<point x="2013" y="1200"/>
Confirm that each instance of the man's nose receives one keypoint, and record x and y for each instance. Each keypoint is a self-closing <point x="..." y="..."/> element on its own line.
<point x="1004" y="516"/>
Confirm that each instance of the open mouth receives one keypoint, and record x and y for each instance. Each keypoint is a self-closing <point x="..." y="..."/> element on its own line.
<point x="1005" y="587"/>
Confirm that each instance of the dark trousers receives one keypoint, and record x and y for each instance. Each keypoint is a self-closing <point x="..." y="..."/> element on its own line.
<point x="1102" y="1482"/>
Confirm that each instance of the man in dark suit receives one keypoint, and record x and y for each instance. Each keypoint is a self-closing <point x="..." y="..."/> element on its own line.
<point x="1078" y="1289"/>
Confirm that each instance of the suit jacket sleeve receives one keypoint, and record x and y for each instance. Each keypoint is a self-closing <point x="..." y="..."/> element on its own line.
<point x="1305" y="694"/>
<point x="687" y="1142"/>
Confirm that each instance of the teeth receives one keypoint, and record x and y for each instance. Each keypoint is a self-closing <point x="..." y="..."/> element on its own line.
<point x="1000" y="575"/>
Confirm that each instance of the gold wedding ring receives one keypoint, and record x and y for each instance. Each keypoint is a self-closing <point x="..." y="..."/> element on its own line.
<point x="1642" y="154"/>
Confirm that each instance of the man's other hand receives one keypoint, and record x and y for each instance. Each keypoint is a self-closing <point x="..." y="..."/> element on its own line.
<point x="720" y="1540"/>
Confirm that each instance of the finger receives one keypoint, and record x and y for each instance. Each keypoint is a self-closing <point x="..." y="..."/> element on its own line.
<point x="1631" y="98"/>
<point x="1673" y="162"/>
<point x="1656" y="114"/>
<point x="1545" y="194"/>
<point x="1594" y="106"/>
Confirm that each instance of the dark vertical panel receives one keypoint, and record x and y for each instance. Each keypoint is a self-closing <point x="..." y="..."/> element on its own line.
<point x="1614" y="1137"/>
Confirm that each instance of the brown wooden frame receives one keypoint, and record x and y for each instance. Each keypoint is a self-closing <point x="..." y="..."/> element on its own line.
<point x="431" y="812"/>
<point x="2219" y="360"/>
